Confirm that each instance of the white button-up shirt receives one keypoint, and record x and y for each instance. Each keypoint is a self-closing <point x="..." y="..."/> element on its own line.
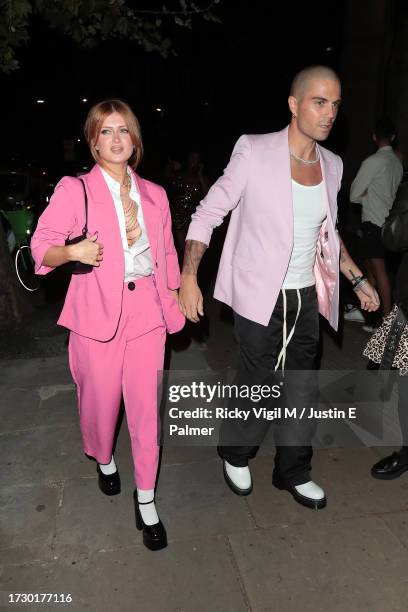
<point x="376" y="184"/>
<point x="138" y="257"/>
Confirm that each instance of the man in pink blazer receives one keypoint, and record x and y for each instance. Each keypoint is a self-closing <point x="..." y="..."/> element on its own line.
<point x="279" y="268"/>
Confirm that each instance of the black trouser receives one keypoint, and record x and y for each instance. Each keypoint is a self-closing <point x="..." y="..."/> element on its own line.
<point x="259" y="349"/>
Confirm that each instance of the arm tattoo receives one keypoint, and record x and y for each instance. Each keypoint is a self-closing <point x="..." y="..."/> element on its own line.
<point x="343" y="253"/>
<point x="193" y="253"/>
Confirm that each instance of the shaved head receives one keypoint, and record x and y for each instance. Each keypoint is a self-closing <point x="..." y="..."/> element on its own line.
<point x="304" y="79"/>
<point x="314" y="100"/>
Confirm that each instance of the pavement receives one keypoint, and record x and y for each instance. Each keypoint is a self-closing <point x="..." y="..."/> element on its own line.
<point x="262" y="553"/>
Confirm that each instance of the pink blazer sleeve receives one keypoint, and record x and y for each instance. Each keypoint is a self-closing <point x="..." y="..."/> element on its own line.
<point x="173" y="271"/>
<point x="223" y="196"/>
<point x="56" y="223"/>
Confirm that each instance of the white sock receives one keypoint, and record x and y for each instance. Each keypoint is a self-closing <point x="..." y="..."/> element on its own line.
<point x="147" y="508"/>
<point x="108" y="468"/>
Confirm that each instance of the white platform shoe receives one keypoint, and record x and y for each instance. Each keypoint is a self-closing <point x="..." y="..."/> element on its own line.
<point x="238" y="479"/>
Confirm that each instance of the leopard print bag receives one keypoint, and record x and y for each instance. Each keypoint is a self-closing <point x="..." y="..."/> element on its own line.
<point x="389" y="343"/>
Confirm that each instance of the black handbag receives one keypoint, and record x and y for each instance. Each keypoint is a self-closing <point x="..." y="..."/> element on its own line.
<point x="77" y="267"/>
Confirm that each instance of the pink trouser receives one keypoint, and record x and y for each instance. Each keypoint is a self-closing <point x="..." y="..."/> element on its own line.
<point x="127" y="364"/>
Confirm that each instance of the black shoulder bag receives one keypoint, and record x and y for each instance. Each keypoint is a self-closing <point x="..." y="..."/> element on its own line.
<point x="77" y="267"/>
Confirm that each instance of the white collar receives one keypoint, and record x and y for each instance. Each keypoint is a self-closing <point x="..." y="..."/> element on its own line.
<point x="114" y="185"/>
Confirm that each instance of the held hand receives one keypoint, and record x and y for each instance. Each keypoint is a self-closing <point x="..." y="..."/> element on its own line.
<point x="88" y="251"/>
<point x="368" y="297"/>
<point x="175" y="295"/>
<point x="190" y="298"/>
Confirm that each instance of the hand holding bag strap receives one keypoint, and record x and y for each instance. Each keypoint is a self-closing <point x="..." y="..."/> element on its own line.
<point x="77" y="267"/>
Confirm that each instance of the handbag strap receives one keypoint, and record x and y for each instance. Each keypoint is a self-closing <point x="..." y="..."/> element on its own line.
<point x="85" y="228"/>
<point x="393" y="340"/>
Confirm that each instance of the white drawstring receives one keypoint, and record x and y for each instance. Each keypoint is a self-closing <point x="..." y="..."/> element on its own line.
<point x="286" y="340"/>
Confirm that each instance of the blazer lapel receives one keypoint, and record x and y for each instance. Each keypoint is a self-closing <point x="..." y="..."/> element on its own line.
<point x="330" y="182"/>
<point x="150" y="214"/>
<point x="105" y="216"/>
<point x="280" y="182"/>
<point x="99" y="191"/>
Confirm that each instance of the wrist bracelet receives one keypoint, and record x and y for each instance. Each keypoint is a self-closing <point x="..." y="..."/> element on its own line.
<point x="356" y="280"/>
<point x="360" y="282"/>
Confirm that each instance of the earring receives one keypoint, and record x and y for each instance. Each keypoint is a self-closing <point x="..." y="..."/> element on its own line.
<point x="293" y="116"/>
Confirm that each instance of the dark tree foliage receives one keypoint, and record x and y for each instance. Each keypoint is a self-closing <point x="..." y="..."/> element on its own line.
<point x="91" y="22"/>
<point x="88" y="23"/>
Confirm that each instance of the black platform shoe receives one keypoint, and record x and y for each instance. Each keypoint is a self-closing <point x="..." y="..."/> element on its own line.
<point x="390" y="467"/>
<point x="154" y="536"/>
<point x="108" y="483"/>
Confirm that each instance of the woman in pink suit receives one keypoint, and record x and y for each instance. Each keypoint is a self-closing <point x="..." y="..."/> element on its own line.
<point x="119" y="312"/>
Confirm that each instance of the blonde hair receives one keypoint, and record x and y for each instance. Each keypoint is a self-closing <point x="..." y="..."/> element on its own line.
<point x="97" y="116"/>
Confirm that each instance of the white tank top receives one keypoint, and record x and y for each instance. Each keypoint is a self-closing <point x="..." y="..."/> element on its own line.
<point x="309" y="212"/>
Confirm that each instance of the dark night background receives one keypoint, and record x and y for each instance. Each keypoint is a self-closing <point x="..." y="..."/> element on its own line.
<point x="228" y="79"/>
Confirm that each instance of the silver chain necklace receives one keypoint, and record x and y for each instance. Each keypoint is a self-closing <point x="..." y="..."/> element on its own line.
<point x="306" y="161"/>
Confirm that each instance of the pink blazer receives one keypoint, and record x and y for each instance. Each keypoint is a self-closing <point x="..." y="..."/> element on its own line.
<point x="256" y="186"/>
<point x="93" y="302"/>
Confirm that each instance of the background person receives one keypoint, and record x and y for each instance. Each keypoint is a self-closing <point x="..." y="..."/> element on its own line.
<point x="189" y="187"/>
<point x="395" y="237"/>
<point x="119" y="312"/>
<point x="374" y="188"/>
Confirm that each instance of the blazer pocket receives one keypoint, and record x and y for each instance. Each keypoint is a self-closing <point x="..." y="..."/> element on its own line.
<point x="239" y="261"/>
<point x="172" y="314"/>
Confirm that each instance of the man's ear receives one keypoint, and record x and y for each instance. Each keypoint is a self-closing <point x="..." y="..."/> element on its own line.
<point x="292" y="102"/>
